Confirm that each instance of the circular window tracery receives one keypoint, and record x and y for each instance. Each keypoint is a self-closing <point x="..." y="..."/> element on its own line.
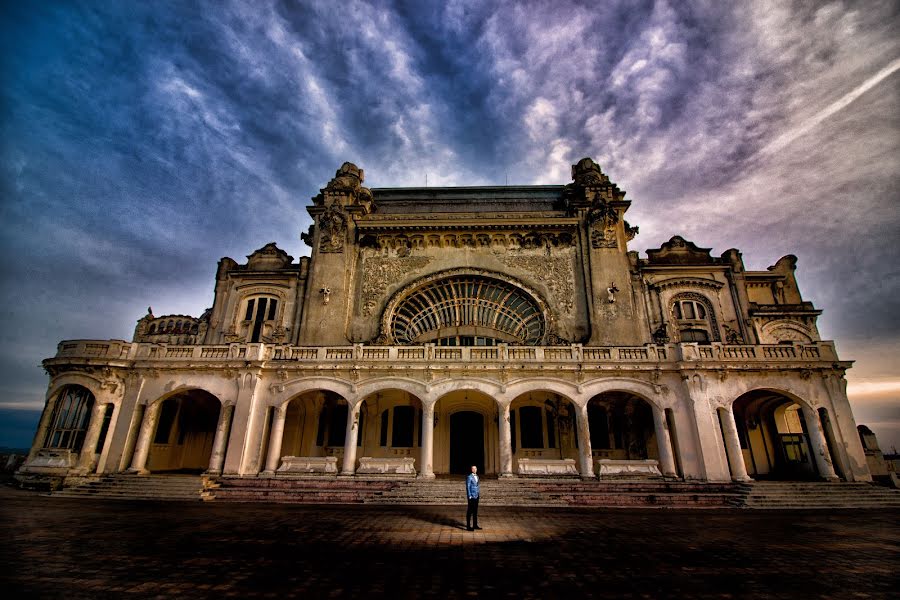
<point x="467" y="310"/>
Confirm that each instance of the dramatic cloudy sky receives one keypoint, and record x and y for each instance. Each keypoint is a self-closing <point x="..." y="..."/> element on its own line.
<point x="142" y="141"/>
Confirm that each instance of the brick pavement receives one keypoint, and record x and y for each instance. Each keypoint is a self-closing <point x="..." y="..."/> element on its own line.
<point x="73" y="548"/>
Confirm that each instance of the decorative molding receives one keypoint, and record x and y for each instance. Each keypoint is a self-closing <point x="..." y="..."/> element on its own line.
<point x="686" y="282"/>
<point x="555" y="271"/>
<point x="380" y="272"/>
<point x="332" y="230"/>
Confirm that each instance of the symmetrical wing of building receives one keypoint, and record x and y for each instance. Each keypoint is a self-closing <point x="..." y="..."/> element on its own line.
<point x="436" y="328"/>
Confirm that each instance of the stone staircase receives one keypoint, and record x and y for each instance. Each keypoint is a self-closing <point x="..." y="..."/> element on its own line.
<point x="815" y="495"/>
<point x="502" y="492"/>
<point x="137" y="487"/>
<point x="495" y="492"/>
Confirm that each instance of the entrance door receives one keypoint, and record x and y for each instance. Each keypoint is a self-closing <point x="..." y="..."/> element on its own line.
<point x="466" y="441"/>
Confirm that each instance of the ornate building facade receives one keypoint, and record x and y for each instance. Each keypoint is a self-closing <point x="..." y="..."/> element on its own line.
<point x="436" y="328"/>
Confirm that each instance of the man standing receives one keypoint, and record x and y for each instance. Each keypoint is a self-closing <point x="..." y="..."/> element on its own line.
<point x="472" y="493"/>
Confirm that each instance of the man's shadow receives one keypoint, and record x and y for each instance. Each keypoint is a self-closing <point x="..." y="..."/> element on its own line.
<point x="430" y="516"/>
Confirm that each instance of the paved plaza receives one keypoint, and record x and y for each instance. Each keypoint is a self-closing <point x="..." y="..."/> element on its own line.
<point x="72" y="548"/>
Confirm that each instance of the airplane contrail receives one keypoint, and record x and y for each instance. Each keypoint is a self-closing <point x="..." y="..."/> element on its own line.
<point x="786" y="138"/>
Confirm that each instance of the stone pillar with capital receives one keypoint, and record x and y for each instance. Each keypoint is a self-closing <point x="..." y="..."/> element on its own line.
<point x="91" y="436"/>
<point x="818" y="444"/>
<point x="350" y="438"/>
<point x="142" y="448"/>
<point x="220" y="442"/>
<point x="506" y="455"/>
<point x="276" y="434"/>
<point x="663" y="440"/>
<point x="733" y="445"/>
<point x="584" y="442"/>
<point x="426" y="460"/>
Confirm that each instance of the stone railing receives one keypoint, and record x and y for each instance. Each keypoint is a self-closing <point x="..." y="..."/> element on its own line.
<point x="113" y="350"/>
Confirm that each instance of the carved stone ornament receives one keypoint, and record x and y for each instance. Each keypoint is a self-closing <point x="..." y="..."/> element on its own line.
<point x="346" y="189"/>
<point x="555" y="271"/>
<point x="661" y="334"/>
<point x="333" y="230"/>
<point x="732" y="336"/>
<point x="603" y="237"/>
<point x="379" y="272"/>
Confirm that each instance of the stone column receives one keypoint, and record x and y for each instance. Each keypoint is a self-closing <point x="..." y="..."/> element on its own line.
<point x="733" y="445"/>
<point x="426" y="459"/>
<point x="142" y="448"/>
<point x="666" y="458"/>
<point x="350" y="439"/>
<point x="506" y="455"/>
<point x="276" y="434"/>
<point x="220" y="442"/>
<point x="40" y="438"/>
<point x="86" y="458"/>
<point x="584" y="442"/>
<point x="818" y="444"/>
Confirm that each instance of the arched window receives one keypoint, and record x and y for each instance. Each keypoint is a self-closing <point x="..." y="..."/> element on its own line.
<point x="70" y="418"/>
<point x="259" y="310"/>
<point x="694" y="318"/>
<point x="467" y="310"/>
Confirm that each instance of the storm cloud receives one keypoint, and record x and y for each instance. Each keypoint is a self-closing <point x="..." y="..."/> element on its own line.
<point x="141" y="142"/>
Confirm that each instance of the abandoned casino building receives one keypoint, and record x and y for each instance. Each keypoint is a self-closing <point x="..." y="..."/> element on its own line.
<point x="436" y="328"/>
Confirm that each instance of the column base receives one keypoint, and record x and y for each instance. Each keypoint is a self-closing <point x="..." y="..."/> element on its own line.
<point x="211" y="473"/>
<point x="267" y="474"/>
<point x="425" y="476"/>
<point x="742" y="479"/>
<point x="590" y="477"/>
<point x="834" y="479"/>
<point x="134" y="471"/>
<point x="346" y="474"/>
<point x="507" y="475"/>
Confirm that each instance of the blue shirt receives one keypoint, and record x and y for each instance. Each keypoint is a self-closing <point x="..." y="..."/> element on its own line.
<point x="472" y="486"/>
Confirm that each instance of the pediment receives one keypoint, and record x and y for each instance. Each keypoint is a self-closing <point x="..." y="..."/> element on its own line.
<point x="679" y="251"/>
<point x="269" y="258"/>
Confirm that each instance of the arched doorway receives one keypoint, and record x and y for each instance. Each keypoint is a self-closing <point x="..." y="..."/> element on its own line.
<point x="184" y="433"/>
<point x="466" y="441"/>
<point x="466" y="433"/>
<point x="774" y="432"/>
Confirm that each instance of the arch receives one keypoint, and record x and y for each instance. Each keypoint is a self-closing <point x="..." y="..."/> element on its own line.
<point x="622" y="426"/>
<point x="567" y="390"/>
<point x="92" y="383"/>
<point x="411" y="386"/>
<point x="471" y="301"/>
<point x="646" y="391"/>
<point x="484" y="386"/>
<point x="285" y="392"/>
<point x="70" y="418"/>
<point x="775" y="332"/>
<point x="182" y="438"/>
<point x="778" y="434"/>
<point x="542" y="425"/>
<point x="460" y="436"/>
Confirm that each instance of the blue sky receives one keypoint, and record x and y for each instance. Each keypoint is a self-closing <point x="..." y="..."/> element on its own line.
<point x="141" y="142"/>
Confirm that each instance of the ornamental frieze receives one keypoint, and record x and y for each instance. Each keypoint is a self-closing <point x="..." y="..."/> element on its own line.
<point x="555" y="271"/>
<point x="379" y="272"/>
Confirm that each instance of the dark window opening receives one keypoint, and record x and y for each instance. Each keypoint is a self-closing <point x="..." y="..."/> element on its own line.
<point x="531" y="427"/>
<point x="402" y="433"/>
<point x="599" y="424"/>
<point x="107" y="417"/>
<point x="337" y="425"/>
<point x="166" y="419"/>
<point x="383" y="434"/>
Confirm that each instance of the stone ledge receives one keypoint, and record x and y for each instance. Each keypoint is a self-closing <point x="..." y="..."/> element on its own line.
<point x="326" y="465"/>
<point x="387" y="466"/>
<point x="607" y="467"/>
<point x="547" y="466"/>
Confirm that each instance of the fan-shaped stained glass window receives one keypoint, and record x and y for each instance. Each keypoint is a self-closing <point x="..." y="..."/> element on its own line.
<point x="467" y="310"/>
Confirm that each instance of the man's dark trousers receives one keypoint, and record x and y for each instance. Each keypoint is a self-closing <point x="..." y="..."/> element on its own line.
<point x="472" y="513"/>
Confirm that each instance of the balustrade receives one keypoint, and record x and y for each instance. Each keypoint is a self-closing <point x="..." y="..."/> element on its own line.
<point x="114" y="349"/>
